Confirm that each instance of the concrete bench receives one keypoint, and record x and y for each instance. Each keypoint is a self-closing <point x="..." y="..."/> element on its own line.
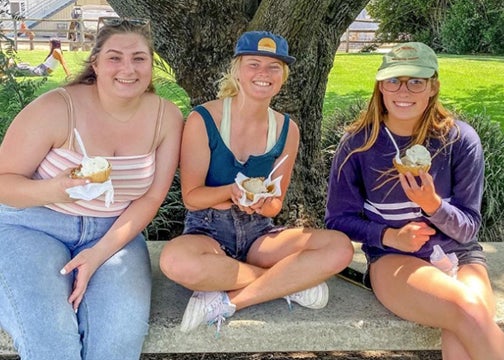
<point x="352" y="321"/>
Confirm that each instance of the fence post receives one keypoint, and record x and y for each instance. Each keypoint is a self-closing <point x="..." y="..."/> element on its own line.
<point x="347" y="45"/>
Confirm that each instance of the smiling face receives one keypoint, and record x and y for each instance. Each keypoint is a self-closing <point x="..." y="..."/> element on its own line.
<point x="260" y="76"/>
<point x="404" y="105"/>
<point x="124" y="65"/>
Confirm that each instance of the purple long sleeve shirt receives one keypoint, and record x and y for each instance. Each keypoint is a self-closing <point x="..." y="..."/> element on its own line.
<point x="362" y="209"/>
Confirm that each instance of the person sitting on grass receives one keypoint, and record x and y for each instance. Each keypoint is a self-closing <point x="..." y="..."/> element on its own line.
<point x="49" y="65"/>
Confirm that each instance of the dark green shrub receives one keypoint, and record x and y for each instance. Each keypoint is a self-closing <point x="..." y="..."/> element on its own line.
<point x="492" y="139"/>
<point x="169" y="221"/>
<point x="333" y="129"/>
<point x="474" y="27"/>
<point x="14" y="94"/>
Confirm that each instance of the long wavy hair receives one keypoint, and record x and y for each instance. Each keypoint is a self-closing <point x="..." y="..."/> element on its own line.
<point x="435" y="122"/>
<point x="229" y="85"/>
<point x="88" y="76"/>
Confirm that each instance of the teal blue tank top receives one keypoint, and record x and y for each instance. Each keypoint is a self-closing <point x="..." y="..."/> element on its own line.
<point x="224" y="166"/>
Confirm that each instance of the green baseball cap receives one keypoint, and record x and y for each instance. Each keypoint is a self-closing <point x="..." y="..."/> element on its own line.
<point x="413" y="59"/>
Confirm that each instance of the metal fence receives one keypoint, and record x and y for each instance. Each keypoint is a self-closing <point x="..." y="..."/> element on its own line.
<point x="68" y="31"/>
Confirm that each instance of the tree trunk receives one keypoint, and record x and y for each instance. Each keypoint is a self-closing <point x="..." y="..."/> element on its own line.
<point x="197" y="38"/>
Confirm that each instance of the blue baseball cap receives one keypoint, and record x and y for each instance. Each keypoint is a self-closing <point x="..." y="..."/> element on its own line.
<point x="264" y="43"/>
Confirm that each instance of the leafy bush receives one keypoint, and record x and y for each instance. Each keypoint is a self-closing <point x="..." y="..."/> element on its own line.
<point x="409" y="20"/>
<point x="463" y="27"/>
<point x="452" y="26"/>
<point x="333" y="129"/>
<point x="15" y="94"/>
<point x="169" y="221"/>
<point x="492" y="139"/>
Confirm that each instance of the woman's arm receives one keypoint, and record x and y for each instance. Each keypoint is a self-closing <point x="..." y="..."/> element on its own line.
<point x="194" y="163"/>
<point x="345" y="200"/>
<point x="459" y="217"/>
<point x="39" y="127"/>
<point x="58" y="55"/>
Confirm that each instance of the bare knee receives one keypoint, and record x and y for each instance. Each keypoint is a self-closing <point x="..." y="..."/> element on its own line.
<point x="473" y="314"/>
<point x="179" y="265"/>
<point x="338" y="251"/>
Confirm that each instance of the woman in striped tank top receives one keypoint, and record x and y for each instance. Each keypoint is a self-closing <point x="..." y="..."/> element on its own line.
<point x="75" y="274"/>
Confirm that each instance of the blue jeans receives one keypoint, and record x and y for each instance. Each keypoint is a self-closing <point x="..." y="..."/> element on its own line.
<point x="112" y="321"/>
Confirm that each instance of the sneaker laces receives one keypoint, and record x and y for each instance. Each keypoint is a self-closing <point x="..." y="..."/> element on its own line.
<point x="289" y="300"/>
<point x="218" y="311"/>
<point x="218" y="321"/>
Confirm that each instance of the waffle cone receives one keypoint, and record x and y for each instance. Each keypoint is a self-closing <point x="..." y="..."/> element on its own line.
<point x="250" y="195"/>
<point x="414" y="170"/>
<point x="97" y="177"/>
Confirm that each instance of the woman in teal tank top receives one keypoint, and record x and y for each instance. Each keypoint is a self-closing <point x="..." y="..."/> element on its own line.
<point x="230" y="254"/>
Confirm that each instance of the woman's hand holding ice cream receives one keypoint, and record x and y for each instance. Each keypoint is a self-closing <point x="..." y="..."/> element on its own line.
<point x="423" y="192"/>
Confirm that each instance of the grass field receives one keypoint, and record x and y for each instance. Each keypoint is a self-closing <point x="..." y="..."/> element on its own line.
<point x="471" y="84"/>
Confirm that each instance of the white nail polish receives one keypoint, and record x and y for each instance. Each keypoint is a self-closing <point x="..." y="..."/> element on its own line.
<point x="63" y="271"/>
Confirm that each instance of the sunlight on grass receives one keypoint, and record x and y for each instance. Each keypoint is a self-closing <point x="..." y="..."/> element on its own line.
<point x="471" y="84"/>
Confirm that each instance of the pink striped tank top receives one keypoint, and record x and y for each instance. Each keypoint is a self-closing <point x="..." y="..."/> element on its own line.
<point x="131" y="176"/>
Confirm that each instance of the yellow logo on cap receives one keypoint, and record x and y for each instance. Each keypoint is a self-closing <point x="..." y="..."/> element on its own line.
<point x="267" y="44"/>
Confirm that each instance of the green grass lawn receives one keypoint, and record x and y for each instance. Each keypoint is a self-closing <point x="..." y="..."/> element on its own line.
<point x="471" y="84"/>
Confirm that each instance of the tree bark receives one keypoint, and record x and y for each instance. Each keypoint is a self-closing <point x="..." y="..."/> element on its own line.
<point x="197" y="38"/>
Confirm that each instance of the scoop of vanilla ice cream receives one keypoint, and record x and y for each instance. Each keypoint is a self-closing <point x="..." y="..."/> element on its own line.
<point x="93" y="165"/>
<point x="255" y="185"/>
<point x="417" y="155"/>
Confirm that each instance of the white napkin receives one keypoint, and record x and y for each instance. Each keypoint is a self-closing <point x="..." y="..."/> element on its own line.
<point x="246" y="202"/>
<point x="92" y="191"/>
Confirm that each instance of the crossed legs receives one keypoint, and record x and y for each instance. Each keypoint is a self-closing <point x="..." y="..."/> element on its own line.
<point x="277" y="264"/>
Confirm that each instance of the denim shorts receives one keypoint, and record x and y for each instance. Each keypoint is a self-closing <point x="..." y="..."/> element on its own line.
<point x="232" y="228"/>
<point x="470" y="253"/>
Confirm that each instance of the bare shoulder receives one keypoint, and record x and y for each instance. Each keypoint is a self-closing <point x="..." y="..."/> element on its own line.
<point x="172" y="119"/>
<point x="44" y="121"/>
<point x="214" y="107"/>
<point x="171" y="111"/>
<point x="49" y="108"/>
<point x="293" y="126"/>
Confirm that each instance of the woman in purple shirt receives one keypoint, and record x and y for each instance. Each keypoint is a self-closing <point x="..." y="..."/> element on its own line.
<point x="399" y="218"/>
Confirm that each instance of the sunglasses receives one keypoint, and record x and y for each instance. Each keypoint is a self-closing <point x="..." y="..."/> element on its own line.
<point x="118" y="21"/>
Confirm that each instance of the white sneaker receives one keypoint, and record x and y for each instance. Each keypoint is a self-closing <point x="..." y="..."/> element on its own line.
<point x="312" y="298"/>
<point x="207" y="306"/>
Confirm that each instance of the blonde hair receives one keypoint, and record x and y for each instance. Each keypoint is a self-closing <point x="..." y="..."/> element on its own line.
<point x="229" y="85"/>
<point x="435" y="122"/>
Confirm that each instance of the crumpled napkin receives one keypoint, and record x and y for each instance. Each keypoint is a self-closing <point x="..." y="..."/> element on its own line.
<point x="246" y="202"/>
<point x="92" y="191"/>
